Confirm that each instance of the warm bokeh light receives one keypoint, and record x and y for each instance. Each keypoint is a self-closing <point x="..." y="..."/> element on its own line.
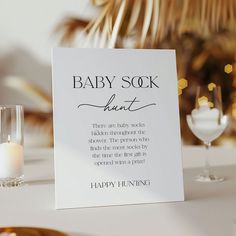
<point x="211" y="86"/>
<point x="202" y="101"/>
<point x="179" y="91"/>
<point x="182" y="83"/>
<point x="228" y="68"/>
<point x="210" y="104"/>
<point x="234" y="111"/>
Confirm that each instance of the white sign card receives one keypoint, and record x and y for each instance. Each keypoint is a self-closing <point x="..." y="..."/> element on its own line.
<point x="116" y="127"/>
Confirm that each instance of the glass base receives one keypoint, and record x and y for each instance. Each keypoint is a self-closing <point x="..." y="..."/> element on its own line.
<point x="209" y="178"/>
<point x="12" y="182"/>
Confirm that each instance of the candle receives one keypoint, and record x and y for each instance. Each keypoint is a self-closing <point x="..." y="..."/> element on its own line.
<point x="11" y="160"/>
<point x="11" y="145"/>
<point x="206" y="122"/>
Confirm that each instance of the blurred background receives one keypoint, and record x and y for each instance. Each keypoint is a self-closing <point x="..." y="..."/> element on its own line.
<point x="202" y="32"/>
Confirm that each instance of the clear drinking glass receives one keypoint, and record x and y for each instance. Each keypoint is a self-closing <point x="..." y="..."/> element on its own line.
<point x="207" y="123"/>
<point x="11" y="145"/>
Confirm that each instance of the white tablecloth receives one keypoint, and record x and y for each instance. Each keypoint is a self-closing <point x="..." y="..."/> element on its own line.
<point x="209" y="209"/>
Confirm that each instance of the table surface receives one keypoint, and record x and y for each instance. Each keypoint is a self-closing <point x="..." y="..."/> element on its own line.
<point x="209" y="209"/>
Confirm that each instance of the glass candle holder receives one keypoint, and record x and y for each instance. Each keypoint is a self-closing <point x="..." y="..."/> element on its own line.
<point x="11" y="145"/>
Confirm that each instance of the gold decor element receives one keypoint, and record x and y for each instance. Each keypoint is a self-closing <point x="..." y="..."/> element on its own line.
<point x="29" y="231"/>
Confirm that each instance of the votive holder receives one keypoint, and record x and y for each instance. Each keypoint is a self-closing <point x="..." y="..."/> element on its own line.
<point x="11" y="145"/>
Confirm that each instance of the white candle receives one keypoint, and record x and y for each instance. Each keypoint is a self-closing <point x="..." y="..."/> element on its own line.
<point x="11" y="160"/>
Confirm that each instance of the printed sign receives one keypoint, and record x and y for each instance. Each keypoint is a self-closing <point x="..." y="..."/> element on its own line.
<point x="116" y="127"/>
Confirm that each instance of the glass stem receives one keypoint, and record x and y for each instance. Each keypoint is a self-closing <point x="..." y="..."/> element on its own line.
<point x="207" y="165"/>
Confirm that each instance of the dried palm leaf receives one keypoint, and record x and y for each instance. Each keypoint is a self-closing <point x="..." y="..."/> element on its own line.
<point x="94" y="25"/>
<point x="99" y="2"/>
<point x="156" y="20"/>
<point x="134" y="16"/>
<point x="70" y="26"/>
<point x="118" y="23"/>
<point x="147" y="21"/>
<point x="43" y="100"/>
<point x="105" y="32"/>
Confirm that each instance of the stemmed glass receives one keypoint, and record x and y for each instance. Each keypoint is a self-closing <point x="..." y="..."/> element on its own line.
<point x="207" y="123"/>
